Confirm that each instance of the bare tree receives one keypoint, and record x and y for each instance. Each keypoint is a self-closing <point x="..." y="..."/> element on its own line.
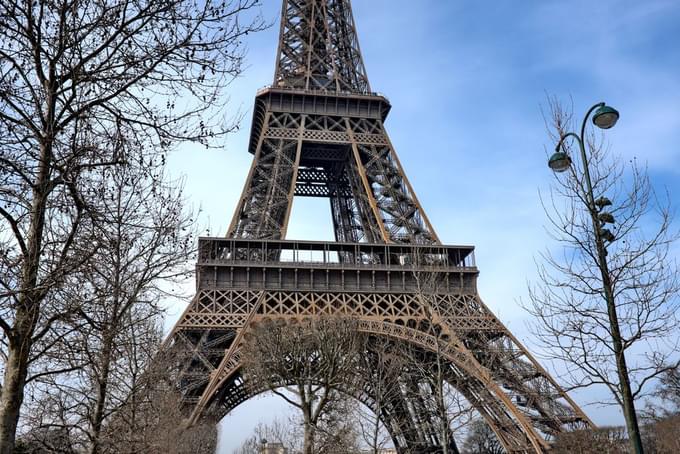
<point x="662" y="428"/>
<point x="667" y="394"/>
<point x="308" y="363"/>
<point x="336" y="433"/>
<point x="278" y="431"/>
<point x="606" y="304"/>
<point x="90" y="366"/>
<point x="40" y="441"/>
<point x="149" y="420"/>
<point x="152" y="419"/>
<point x="433" y="385"/>
<point x="433" y="379"/>
<point x="481" y="440"/>
<point x="662" y="435"/>
<point x="611" y="440"/>
<point x="76" y="79"/>
<point x="381" y="365"/>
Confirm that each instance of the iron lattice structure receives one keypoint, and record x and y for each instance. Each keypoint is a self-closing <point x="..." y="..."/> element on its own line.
<point x="318" y="131"/>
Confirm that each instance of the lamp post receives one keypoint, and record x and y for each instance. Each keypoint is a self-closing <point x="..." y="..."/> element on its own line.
<point x="605" y="117"/>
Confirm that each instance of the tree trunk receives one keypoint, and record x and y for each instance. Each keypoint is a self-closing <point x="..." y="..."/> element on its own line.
<point x="102" y="388"/>
<point x="629" y="414"/>
<point x="308" y="447"/>
<point x="443" y="416"/>
<point x="376" y="429"/>
<point x="13" y="390"/>
<point x="308" y="440"/>
<point x="626" y="393"/>
<point x="27" y="312"/>
<point x="441" y="404"/>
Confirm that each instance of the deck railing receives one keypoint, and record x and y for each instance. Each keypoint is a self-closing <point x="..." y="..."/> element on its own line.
<point x="304" y="91"/>
<point x="224" y="251"/>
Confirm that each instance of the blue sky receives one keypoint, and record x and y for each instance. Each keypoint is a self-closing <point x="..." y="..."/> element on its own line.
<point x="467" y="81"/>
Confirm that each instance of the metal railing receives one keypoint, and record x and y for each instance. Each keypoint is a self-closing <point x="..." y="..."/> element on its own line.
<point x="223" y="251"/>
<point x="304" y="91"/>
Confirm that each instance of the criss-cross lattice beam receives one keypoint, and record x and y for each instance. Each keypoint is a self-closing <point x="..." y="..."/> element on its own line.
<point x="371" y="198"/>
<point x="319" y="49"/>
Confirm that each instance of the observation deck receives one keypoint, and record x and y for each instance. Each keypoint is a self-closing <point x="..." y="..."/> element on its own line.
<point x="314" y="102"/>
<point x="330" y="266"/>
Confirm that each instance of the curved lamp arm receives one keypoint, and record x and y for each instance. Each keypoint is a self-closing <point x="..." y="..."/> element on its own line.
<point x="584" y="157"/>
<point x="585" y="119"/>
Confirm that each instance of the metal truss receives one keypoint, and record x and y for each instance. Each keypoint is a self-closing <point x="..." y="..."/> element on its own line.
<point x="350" y="160"/>
<point x="242" y="281"/>
<point x="319" y="132"/>
<point x="318" y="47"/>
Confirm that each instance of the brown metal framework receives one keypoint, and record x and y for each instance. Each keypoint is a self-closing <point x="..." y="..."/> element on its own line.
<point x="319" y="132"/>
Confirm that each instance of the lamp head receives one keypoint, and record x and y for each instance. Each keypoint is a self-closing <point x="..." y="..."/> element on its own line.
<point x="559" y="162"/>
<point x="605" y="117"/>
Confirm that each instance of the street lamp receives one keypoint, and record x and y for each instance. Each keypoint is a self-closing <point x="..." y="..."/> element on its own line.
<point x="559" y="162"/>
<point x="605" y="117"/>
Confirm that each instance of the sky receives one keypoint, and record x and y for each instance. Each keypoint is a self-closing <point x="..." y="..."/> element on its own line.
<point x="468" y="82"/>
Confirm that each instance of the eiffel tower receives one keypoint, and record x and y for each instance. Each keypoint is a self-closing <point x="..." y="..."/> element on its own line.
<point x="319" y="131"/>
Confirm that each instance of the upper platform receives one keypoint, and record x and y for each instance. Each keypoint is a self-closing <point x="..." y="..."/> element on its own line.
<point x="320" y="266"/>
<point x="315" y="102"/>
<point x="293" y="253"/>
